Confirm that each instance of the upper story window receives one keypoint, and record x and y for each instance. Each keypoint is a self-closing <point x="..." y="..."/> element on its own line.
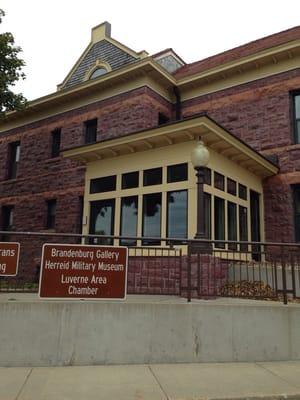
<point x="51" y="213"/>
<point x="55" y="148"/>
<point x="162" y="119"/>
<point x="98" y="72"/>
<point x="7" y="218"/>
<point x="90" y="131"/>
<point x="13" y="160"/>
<point x="296" y="104"/>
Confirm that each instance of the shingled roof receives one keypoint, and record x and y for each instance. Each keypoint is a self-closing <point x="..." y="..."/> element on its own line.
<point x="239" y="52"/>
<point x="104" y="51"/>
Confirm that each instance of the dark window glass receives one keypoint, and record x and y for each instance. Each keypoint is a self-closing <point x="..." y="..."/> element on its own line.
<point x="80" y="215"/>
<point x="51" y="212"/>
<point x="162" y="119"/>
<point x="7" y="218"/>
<point x="232" y="224"/>
<point x="231" y="186"/>
<point x="177" y="173"/>
<point x="219" y="221"/>
<point x="297" y="212"/>
<point x="130" y="180"/>
<point x="105" y="184"/>
<point x="207" y="176"/>
<point x="207" y="205"/>
<point x="243" y="223"/>
<point x="242" y="192"/>
<point x="153" y="176"/>
<point x="219" y="181"/>
<point x="102" y="219"/>
<point x="129" y="215"/>
<point x="177" y="214"/>
<point x="13" y="159"/>
<point x="56" y="135"/>
<point x="296" y="99"/>
<point x="7" y="223"/>
<point x="90" y="131"/>
<point x="152" y="217"/>
<point x="98" y="72"/>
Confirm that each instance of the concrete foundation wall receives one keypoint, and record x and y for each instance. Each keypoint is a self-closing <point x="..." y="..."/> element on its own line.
<point x="57" y="333"/>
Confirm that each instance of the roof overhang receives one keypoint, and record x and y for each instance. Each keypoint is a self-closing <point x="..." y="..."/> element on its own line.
<point x="213" y="135"/>
<point x="145" y="68"/>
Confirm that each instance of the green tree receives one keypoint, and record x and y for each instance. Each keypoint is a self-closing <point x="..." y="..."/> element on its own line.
<point x="10" y="73"/>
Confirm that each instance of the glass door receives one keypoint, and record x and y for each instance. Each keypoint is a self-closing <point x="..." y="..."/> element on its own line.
<point x="102" y="219"/>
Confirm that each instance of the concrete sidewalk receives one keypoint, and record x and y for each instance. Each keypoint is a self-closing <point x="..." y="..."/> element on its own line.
<point x="276" y="380"/>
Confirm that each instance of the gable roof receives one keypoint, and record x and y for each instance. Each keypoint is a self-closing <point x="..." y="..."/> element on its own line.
<point x="239" y="52"/>
<point x="102" y="50"/>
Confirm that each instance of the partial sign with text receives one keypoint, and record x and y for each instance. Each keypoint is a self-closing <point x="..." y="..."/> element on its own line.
<point x="83" y="272"/>
<point x="9" y="258"/>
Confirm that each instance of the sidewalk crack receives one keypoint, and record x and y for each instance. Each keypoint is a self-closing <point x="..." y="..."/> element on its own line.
<point x="157" y="381"/>
<point x="277" y="376"/>
<point x="24" y="383"/>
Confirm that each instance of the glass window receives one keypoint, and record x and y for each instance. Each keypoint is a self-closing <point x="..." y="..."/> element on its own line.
<point x="297" y="212"/>
<point x="242" y="192"/>
<point x="56" y="136"/>
<point x="162" y="119"/>
<point x="207" y="205"/>
<point x="98" y="72"/>
<point x="231" y="186"/>
<point x="129" y="215"/>
<point x="152" y="176"/>
<point x="51" y="213"/>
<point x="177" y="214"/>
<point x="130" y="180"/>
<point x="177" y="173"/>
<point x="232" y="224"/>
<point x="207" y="176"/>
<point x="152" y="217"/>
<point x="102" y="220"/>
<point x="90" y="131"/>
<point x="219" y="221"/>
<point x="7" y="222"/>
<point x="7" y="218"/>
<point x="219" y="181"/>
<point x="296" y="99"/>
<point x="105" y="184"/>
<point x="13" y="161"/>
<point x="243" y="224"/>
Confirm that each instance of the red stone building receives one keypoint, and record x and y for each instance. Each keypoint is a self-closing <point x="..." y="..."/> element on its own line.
<point x="116" y="102"/>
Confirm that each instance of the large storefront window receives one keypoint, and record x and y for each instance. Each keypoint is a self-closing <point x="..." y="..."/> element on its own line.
<point x="177" y="214"/>
<point x="102" y="219"/>
<point x="129" y="215"/>
<point x="159" y="205"/>
<point x="219" y="221"/>
<point x="152" y="217"/>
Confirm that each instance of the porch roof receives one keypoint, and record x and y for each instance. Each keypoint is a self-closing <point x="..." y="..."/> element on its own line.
<point x="212" y="134"/>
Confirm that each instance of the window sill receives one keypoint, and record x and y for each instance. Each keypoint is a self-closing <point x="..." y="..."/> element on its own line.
<point x="53" y="160"/>
<point x="48" y="230"/>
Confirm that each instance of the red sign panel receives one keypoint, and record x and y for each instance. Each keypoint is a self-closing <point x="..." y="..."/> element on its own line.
<point x="9" y="258"/>
<point x="83" y="272"/>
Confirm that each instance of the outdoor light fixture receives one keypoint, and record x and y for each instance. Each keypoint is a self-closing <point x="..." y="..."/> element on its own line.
<point x="200" y="155"/>
<point x="200" y="159"/>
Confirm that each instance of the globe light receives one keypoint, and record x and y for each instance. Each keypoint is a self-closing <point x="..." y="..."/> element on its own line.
<point x="200" y="155"/>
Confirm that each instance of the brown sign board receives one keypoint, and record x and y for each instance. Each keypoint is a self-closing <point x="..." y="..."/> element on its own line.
<point x="9" y="258"/>
<point x="83" y="272"/>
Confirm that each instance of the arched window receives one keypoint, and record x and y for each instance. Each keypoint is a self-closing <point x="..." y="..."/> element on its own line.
<point x="98" y="72"/>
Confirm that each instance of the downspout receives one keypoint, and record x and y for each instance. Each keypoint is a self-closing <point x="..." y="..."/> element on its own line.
<point x="178" y="103"/>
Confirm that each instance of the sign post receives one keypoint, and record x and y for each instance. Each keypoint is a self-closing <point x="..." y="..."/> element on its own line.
<point x="83" y="272"/>
<point x="9" y="258"/>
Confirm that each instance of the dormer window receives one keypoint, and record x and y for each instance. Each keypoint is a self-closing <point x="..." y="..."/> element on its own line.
<point x="98" y="72"/>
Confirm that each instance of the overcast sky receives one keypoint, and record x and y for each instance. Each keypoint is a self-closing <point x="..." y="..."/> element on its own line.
<point x="54" y="33"/>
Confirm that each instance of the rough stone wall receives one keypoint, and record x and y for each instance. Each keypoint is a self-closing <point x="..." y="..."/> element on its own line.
<point x="260" y="114"/>
<point x="41" y="178"/>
